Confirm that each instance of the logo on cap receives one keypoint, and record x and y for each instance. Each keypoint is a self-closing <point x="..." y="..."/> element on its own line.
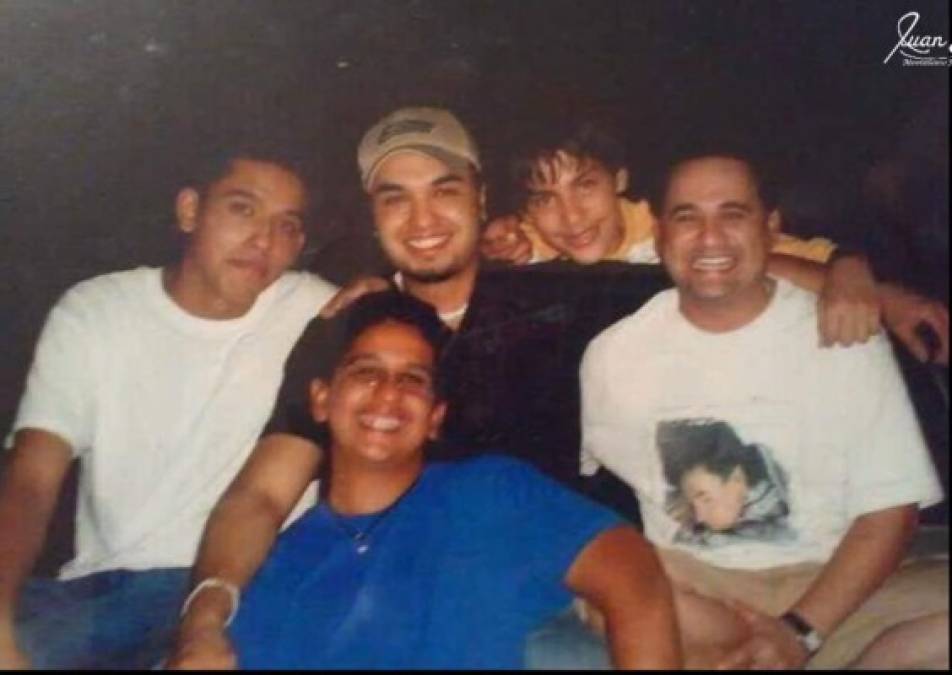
<point x="404" y="127"/>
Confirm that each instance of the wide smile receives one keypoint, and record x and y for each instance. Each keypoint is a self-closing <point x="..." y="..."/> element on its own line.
<point x="427" y="244"/>
<point x="713" y="263"/>
<point x="380" y="423"/>
<point x="581" y="239"/>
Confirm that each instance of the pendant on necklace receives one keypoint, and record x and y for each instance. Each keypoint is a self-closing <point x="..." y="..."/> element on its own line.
<point x="361" y="545"/>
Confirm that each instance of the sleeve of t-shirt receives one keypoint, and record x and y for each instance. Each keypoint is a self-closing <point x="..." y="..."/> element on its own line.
<point x="592" y="385"/>
<point x="890" y="463"/>
<point x="292" y="410"/>
<point x="548" y="524"/>
<point x="60" y="386"/>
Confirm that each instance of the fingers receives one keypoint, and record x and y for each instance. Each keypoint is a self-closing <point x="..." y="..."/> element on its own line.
<point x="846" y="323"/>
<point x="352" y="292"/>
<point x="504" y="240"/>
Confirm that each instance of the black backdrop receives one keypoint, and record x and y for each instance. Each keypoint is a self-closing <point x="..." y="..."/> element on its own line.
<point x="104" y="102"/>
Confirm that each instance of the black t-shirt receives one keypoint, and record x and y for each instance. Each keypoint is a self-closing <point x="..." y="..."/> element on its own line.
<point x="511" y="370"/>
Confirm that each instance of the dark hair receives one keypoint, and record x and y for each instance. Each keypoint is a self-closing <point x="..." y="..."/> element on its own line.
<point x="585" y="138"/>
<point x="767" y="189"/>
<point x="214" y="161"/>
<point x="711" y="444"/>
<point x="372" y="310"/>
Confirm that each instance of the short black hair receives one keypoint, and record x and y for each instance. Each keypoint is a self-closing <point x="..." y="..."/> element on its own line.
<point x="372" y="310"/>
<point x="711" y="444"/>
<point x="584" y="138"/>
<point x="767" y="188"/>
<point x="213" y="161"/>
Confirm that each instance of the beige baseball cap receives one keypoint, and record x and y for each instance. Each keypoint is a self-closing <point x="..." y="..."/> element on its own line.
<point x="432" y="131"/>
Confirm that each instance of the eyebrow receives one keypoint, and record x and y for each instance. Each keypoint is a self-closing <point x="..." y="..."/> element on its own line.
<point x="396" y="187"/>
<point x="373" y="358"/>
<point x="248" y="194"/>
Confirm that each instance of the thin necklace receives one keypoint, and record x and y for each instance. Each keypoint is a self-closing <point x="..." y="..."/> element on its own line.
<point x="360" y="538"/>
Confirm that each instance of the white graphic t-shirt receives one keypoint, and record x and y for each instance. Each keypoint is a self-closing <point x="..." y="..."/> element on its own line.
<point x="753" y="448"/>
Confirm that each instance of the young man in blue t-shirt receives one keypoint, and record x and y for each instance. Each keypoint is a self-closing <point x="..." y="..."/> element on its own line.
<point x="409" y="564"/>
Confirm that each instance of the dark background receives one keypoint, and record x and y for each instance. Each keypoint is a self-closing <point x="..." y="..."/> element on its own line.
<point x="106" y="102"/>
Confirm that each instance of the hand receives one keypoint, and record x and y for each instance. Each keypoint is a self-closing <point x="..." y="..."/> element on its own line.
<point x="504" y="240"/>
<point x="770" y="645"/>
<point x="206" y="648"/>
<point x="849" y="305"/>
<point x="351" y="292"/>
<point x="904" y="311"/>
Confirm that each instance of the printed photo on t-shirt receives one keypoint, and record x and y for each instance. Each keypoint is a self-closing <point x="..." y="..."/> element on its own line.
<point x="720" y="490"/>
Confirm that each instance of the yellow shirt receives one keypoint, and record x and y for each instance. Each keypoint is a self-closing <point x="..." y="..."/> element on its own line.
<point x="637" y="245"/>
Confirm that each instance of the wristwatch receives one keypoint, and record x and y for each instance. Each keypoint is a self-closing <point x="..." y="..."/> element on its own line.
<point x="806" y="634"/>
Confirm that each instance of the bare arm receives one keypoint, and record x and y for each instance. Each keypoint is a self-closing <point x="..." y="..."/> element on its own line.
<point x="238" y="536"/>
<point x="871" y="550"/>
<point x="30" y="486"/>
<point x="619" y="573"/>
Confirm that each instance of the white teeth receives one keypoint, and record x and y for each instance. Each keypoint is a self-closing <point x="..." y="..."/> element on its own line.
<point x="379" y="422"/>
<point x="426" y="243"/>
<point x="712" y="262"/>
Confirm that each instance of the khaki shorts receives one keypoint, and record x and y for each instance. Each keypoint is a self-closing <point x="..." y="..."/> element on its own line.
<point x="918" y="588"/>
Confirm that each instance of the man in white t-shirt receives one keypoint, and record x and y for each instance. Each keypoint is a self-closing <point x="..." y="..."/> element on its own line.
<point x="770" y="472"/>
<point x="158" y="381"/>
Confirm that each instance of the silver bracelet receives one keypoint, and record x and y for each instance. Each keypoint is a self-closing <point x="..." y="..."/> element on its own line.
<point x="234" y="595"/>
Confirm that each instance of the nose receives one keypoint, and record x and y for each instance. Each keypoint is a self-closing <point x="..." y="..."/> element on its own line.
<point x="263" y="234"/>
<point x="421" y="217"/>
<point x="711" y="231"/>
<point x="571" y="213"/>
<point x="386" y="389"/>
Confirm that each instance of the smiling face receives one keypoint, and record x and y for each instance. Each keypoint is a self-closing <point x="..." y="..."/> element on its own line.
<point x="427" y="216"/>
<point x="244" y="231"/>
<point x="380" y="404"/>
<point x="714" y="238"/>
<point x="574" y="204"/>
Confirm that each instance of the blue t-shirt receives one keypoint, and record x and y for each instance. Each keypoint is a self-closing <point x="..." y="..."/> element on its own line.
<point x="456" y="575"/>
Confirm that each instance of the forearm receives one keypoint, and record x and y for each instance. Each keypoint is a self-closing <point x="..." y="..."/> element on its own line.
<point x="247" y="519"/>
<point x="29" y="488"/>
<point x="806" y="274"/>
<point x="871" y="550"/>
<point x="620" y="575"/>
<point x="24" y="517"/>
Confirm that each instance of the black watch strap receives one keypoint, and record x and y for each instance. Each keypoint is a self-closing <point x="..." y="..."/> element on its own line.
<point x="806" y="634"/>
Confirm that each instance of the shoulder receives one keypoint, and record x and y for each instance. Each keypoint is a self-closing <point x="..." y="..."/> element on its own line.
<point x="305" y="286"/>
<point x="111" y="291"/>
<point x="654" y="316"/>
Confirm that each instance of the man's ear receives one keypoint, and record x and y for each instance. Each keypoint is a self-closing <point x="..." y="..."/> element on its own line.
<point x="437" y="415"/>
<point x="319" y="394"/>
<point x="621" y="181"/>
<point x="187" y="204"/>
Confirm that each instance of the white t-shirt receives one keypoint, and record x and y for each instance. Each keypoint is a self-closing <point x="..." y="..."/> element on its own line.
<point x="161" y="407"/>
<point x="822" y="435"/>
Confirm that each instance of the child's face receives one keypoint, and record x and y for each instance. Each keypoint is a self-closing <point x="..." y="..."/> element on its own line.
<point x="716" y="502"/>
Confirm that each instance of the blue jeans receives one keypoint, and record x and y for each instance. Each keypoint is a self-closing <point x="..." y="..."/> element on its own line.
<point x="110" y="620"/>
<point x="566" y="643"/>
